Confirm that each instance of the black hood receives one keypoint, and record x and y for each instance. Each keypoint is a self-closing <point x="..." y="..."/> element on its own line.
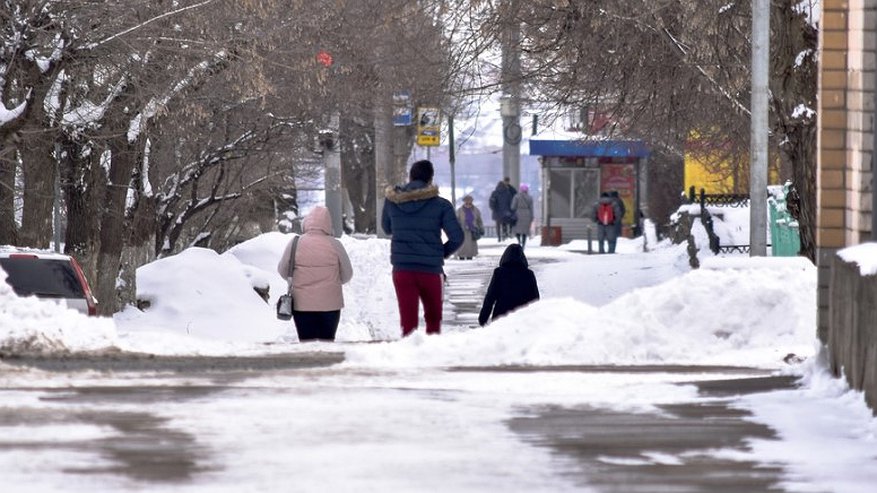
<point x="513" y="256"/>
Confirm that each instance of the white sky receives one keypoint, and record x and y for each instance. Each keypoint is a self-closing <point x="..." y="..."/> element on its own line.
<point x="631" y="308"/>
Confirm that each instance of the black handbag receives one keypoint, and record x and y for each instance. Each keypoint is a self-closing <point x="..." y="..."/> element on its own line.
<point x="285" y="302"/>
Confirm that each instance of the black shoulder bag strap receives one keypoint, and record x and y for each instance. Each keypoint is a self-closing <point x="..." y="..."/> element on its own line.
<point x="292" y="259"/>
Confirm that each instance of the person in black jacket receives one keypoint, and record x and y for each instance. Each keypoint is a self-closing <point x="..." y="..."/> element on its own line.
<point x="512" y="285"/>
<point x="415" y="216"/>
<point x="500" y="203"/>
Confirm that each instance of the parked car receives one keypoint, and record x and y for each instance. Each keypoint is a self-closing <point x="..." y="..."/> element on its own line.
<point x="48" y="275"/>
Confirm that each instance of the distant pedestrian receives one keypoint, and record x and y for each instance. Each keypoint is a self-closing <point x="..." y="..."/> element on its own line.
<point x="619" y="224"/>
<point x="512" y="285"/>
<point x="321" y="267"/>
<point x="500" y="203"/>
<point x="522" y="205"/>
<point x="473" y="228"/>
<point x="416" y="216"/>
<point x="638" y="223"/>
<point x="605" y="215"/>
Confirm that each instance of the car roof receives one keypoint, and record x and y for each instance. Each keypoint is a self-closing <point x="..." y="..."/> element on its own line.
<point x="8" y="250"/>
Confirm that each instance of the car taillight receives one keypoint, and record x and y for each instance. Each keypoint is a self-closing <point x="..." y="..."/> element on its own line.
<point x="89" y="298"/>
<point x="22" y="255"/>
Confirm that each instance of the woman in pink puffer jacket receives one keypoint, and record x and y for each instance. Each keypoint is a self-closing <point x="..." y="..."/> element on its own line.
<point x="321" y="267"/>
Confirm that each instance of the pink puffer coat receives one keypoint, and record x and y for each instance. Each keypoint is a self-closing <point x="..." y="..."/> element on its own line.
<point x="321" y="265"/>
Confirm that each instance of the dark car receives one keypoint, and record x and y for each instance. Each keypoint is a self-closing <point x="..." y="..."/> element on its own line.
<point x="48" y="275"/>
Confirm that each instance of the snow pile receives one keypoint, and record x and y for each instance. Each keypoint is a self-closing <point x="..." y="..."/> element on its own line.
<point x="864" y="255"/>
<point x="369" y="298"/>
<point x="32" y="325"/>
<point x="203" y="294"/>
<point x="735" y="313"/>
<point x="202" y="302"/>
<point x="370" y="312"/>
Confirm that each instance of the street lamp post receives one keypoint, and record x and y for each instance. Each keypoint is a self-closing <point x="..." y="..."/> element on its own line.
<point x="759" y="128"/>
<point x="510" y="111"/>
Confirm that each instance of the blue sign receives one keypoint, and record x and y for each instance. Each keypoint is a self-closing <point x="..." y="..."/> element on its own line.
<point x="403" y="114"/>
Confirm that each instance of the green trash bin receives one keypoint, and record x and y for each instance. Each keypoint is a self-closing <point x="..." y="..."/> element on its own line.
<point x="785" y="237"/>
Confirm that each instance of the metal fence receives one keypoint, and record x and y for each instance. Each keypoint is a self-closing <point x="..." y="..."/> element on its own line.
<point x="785" y="236"/>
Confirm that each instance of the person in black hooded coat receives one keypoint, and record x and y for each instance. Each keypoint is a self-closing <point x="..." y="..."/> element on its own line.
<point x="512" y="285"/>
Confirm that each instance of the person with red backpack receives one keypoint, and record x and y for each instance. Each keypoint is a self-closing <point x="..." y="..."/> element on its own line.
<point x="607" y="215"/>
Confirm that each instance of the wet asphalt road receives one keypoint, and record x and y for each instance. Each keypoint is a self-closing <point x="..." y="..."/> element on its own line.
<point x="612" y="451"/>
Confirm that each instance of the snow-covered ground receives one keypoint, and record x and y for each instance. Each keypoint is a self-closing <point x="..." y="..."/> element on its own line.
<point x="634" y="307"/>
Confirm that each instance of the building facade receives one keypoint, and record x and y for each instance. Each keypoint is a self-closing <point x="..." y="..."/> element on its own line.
<point x="848" y="36"/>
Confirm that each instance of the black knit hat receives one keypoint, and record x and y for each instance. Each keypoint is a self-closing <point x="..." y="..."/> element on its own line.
<point x="421" y="170"/>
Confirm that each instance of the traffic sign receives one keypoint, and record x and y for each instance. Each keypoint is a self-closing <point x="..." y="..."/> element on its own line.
<point x="428" y="126"/>
<point x="402" y="114"/>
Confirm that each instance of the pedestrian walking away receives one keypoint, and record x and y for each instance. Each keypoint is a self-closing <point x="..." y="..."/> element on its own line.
<point x="512" y="286"/>
<point x="415" y="217"/>
<point x="622" y="210"/>
<point x="473" y="228"/>
<point x="605" y="215"/>
<point x="522" y="206"/>
<point x="321" y="266"/>
<point x="500" y="203"/>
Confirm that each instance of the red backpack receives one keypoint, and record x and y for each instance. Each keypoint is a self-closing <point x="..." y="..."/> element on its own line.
<point x="605" y="213"/>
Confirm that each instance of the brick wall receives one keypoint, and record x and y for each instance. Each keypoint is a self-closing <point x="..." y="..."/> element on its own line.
<point x="848" y="42"/>
<point x="845" y="140"/>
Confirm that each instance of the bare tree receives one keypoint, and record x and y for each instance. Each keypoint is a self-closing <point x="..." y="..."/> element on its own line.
<point x="662" y="70"/>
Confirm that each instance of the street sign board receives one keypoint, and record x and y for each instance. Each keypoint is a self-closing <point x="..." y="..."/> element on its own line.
<point x="402" y="112"/>
<point x="428" y="126"/>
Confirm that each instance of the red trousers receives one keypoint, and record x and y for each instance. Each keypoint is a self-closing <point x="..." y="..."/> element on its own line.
<point x="411" y="289"/>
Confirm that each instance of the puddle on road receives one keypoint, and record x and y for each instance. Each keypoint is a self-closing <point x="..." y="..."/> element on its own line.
<point x="619" y="452"/>
<point x="141" y="446"/>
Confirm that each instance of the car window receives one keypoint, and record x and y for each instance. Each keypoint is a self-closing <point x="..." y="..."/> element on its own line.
<point x="51" y="278"/>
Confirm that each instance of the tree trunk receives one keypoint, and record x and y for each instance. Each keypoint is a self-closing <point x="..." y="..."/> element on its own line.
<point x="39" y="189"/>
<point x="358" y="173"/>
<point x="804" y="179"/>
<point x="83" y="183"/>
<point x="8" y="229"/>
<point x="113" y="224"/>
<point x="793" y="86"/>
<point x="38" y="164"/>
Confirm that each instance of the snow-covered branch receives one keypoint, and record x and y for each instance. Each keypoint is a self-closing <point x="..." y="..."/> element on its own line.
<point x="91" y="46"/>
<point x="159" y="102"/>
<point x="7" y="115"/>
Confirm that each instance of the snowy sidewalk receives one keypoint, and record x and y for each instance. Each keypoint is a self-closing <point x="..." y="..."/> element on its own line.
<point x="468" y="280"/>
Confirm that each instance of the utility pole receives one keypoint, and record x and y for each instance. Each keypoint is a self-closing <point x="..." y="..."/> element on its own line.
<point x="383" y="143"/>
<point x="452" y="159"/>
<point x="759" y="128"/>
<point x="330" y="148"/>
<point x="332" y="162"/>
<point x="510" y="105"/>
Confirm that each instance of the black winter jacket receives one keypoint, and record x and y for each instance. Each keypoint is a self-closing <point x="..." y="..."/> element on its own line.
<point x="512" y="285"/>
<point x="415" y="216"/>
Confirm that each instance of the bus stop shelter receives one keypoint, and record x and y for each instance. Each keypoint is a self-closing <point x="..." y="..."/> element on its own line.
<point x="575" y="172"/>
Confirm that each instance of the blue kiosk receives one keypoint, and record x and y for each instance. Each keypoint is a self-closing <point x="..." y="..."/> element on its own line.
<point x="575" y="172"/>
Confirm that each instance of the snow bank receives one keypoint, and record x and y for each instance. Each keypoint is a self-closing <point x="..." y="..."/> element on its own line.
<point x="29" y="325"/>
<point x="203" y="302"/>
<point x="203" y="294"/>
<point x="734" y="313"/>
<point x="864" y="255"/>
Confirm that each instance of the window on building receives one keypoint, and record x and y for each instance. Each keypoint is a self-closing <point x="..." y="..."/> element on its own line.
<point x="574" y="191"/>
